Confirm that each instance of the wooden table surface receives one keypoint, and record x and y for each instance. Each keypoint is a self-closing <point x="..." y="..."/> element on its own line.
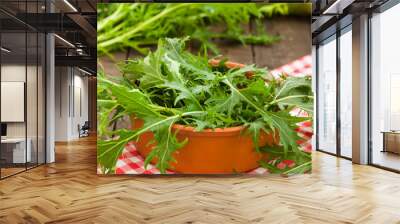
<point x="295" y="33"/>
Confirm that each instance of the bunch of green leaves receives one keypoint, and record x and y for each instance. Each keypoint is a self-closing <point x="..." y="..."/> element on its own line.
<point x="301" y="160"/>
<point x="138" y="25"/>
<point x="173" y="86"/>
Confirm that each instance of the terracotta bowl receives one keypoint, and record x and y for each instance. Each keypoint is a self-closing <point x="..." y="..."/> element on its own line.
<point x="218" y="151"/>
<point x="230" y="64"/>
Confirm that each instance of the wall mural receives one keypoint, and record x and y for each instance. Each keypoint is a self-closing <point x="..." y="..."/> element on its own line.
<point x="216" y="88"/>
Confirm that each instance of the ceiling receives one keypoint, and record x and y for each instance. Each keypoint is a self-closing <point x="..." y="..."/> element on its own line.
<point x="74" y="22"/>
<point x="332" y="15"/>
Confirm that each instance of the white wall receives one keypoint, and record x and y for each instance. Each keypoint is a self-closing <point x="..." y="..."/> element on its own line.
<point x="33" y="126"/>
<point x="70" y="84"/>
<point x="62" y="82"/>
<point x="12" y="73"/>
<point x="80" y="110"/>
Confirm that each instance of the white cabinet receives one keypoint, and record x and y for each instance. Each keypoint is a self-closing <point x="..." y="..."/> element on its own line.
<point x="19" y="155"/>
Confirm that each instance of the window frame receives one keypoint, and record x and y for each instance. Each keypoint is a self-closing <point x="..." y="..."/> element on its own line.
<point x="381" y="9"/>
<point x="31" y="30"/>
<point x="333" y="37"/>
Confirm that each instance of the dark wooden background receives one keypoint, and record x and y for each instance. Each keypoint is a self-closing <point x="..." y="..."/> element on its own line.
<point x="295" y="32"/>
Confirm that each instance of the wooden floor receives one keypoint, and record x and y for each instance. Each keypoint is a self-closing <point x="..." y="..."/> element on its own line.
<point x="10" y="171"/>
<point x="69" y="191"/>
<point x="386" y="159"/>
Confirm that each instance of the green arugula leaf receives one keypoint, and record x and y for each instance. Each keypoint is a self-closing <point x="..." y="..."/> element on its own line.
<point x="295" y="92"/>
<point x="167" y="144"/>
<point x="177" y="82"/>
<point x="133" y="100"/>
<point x="291" y="84"/>
<point x="300" y="169"/>
<point x="175" y="52"/>
<point x="302" y="160"/>
<point x="108" y="151"/>
<point x="254" y="128"/>
<point x="147" y="71"/>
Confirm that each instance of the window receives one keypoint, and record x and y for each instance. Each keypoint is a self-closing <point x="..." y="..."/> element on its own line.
<point x="346" y="92"/>
<point x="385" y="89"/>
<point x="327" y="96"/>
<point x="22" y="101"/>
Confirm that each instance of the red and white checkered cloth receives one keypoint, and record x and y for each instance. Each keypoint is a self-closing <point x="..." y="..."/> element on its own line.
<point x="299" y="67"/>
<point x="131" y="162"/>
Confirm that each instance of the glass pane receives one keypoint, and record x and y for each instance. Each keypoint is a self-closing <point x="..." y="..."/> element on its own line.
<point x="32" y="86"/>
<point x="41" y="98"/>
<point x="13" y="86"/>
<point x="31" y="97"/>
<point x="385" y="83"/>
<point x="346" y="94"/>
<point x="327" y="97"/>
<point x="22" y="88"/>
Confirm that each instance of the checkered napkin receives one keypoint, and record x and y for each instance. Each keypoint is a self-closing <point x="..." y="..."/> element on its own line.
<point x="299" y="67"/>
<point x="131" y="162"/>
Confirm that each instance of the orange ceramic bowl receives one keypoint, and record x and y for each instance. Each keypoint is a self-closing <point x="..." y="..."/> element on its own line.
<point x="230" y="64"/>
<point x="218" y="151"/>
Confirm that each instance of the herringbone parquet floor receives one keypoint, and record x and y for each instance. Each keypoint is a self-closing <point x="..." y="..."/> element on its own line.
<point x="69" y="191"/>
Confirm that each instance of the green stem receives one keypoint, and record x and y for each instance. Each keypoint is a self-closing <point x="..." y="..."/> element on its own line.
<point x="297" y="167"/>
<point x="162" y="158"/>
<point x="244" y="97"/>
<point x="290" y="97"/>
<point x="100" y="101"/>
<point x="147" y="128"/>
<point x="115" y="17"/>
<point x="141" y="26"/>
<point x="166" y="109"/>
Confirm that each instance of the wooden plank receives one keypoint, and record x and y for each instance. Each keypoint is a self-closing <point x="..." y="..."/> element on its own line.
<point x="69" y="191"/>
<point x="237" y="52"/>
<point x="134" y="54"/>
<point x="233" y="51"/>
<point x="296" y="41"/>
<point x="110" y="65"/>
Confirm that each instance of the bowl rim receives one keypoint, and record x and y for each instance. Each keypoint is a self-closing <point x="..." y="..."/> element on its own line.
<point x="188" y="128"/>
